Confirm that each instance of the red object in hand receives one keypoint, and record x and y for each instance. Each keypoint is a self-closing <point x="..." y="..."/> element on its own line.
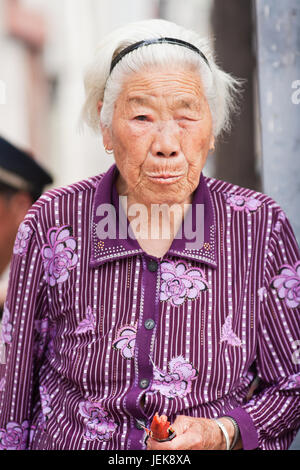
<point x="160" y="429"/>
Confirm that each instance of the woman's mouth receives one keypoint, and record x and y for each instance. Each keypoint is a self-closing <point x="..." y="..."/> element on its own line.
<point x="165" y="178"/>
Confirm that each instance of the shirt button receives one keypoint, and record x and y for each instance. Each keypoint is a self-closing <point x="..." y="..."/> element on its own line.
<point x="140" y="423"/>
<point x="144" y="383"/>
<point x="152" y="266"/>
<point x="149" y="324"/>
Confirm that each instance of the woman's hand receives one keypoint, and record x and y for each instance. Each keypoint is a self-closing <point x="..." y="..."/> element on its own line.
<point x="196" y="434"/>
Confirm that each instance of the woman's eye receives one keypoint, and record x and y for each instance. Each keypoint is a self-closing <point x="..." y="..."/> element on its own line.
<point x="185" y="118"/>
<point x="142" y="117"/>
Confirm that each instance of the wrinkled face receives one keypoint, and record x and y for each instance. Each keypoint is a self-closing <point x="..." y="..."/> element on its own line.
<point x="161" y="134"/>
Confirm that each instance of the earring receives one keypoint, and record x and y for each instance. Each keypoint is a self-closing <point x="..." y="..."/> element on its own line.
<point x="109" y="152"/>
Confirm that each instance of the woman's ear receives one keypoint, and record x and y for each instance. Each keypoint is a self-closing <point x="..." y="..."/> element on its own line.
<point x="212" y="143"/>
<point x="99" y="107"/>
<point x="106" y="137"/>
<point x="106" y="134"/>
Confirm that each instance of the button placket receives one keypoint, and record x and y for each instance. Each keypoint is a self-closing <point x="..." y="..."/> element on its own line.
<point x="149" y="324"/>
<point x="144" y="383"/>
<point x="140" y="424"/>
<point x="144" y="338"/>
<point x="152" y="265"/>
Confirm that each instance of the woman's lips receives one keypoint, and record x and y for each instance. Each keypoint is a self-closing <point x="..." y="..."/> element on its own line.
<point x="165" y="178"/>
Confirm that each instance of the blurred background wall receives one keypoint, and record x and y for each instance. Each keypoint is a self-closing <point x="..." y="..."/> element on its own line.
<point x="45" y="46"/>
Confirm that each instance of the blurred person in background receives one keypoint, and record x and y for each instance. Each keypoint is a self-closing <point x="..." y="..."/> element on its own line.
<point x="103" y="330"/>
<point x="22" y="181"/>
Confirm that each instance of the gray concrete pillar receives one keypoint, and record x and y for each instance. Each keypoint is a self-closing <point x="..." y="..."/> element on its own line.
<point x="278" y="55"/>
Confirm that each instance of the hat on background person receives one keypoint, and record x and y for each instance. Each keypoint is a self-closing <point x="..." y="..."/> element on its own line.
<point x="22" y="181"/>
<point x="20" y="172"/>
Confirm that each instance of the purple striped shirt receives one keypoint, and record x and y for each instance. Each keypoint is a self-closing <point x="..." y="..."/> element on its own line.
<point x="98" y="334"/>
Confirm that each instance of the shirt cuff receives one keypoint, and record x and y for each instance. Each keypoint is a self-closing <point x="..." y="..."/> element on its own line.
<point x="248" y="431"/>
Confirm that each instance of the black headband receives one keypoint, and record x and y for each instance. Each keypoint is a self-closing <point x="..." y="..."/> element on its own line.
<point x="147" y="42"/>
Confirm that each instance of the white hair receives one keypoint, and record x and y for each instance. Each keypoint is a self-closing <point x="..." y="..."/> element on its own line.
<point x="220" y="88"/>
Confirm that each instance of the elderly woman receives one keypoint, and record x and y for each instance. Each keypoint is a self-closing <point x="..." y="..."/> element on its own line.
<point x="152" y="288"/>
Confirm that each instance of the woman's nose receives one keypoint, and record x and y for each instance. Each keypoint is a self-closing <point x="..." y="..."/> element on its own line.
<point x="166" y="141"/>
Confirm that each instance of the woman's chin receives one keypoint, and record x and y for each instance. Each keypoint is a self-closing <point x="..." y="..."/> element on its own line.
<point x="162" y="196"/>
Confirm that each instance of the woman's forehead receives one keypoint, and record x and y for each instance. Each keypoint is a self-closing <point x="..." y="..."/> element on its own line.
<point x="144" y="88"/>
<point x="179" y="100"/>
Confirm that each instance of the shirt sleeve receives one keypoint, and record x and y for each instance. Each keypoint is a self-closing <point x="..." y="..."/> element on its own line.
<point x="270" y="420"/>
<point x="22" y="342"/>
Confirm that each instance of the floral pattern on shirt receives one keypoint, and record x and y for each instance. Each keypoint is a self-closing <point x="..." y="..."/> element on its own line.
<point x="125" y="341"/>
<point x="46" y="407"/>
<point x="6" y="326"/>
<point x="22" y="239"/>
<point x="177" y="382"/>
<point x="180" y="282"/>
<point x="262" y="293"/>
<point x="42" y="327"/>
<point x="243" y="203"/>
<point x="14" y="437"/>
<point x="228" y="334"/>
<point x="287" y="284"/>
<point x="59" y="255"/>
<point x="292" y="382"/>
<point x="88" y="324"/>
<point x="97" y="423"/>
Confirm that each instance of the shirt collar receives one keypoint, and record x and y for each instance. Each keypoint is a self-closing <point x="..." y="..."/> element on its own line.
<point x="107" y="208"/>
